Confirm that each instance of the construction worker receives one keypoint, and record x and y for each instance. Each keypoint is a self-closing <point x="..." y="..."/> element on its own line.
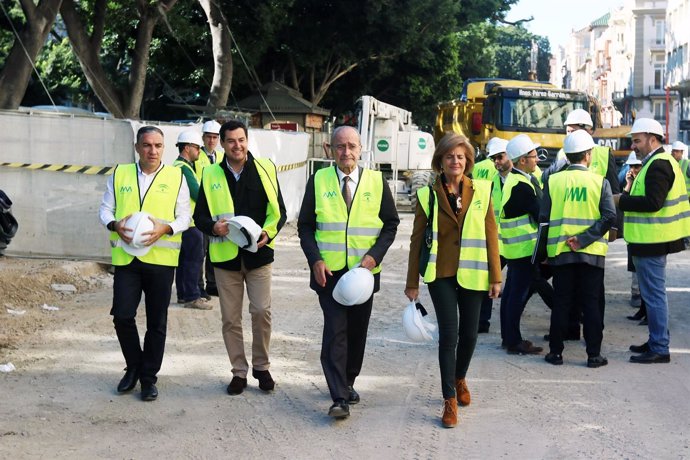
<point x="518" y="229"/>
<point x="657" y="218"/>
<point x="679" y="151"/>
<point x="209" y="154"/>
<point x="192" y="251"/>
<point x="578" y="206"/>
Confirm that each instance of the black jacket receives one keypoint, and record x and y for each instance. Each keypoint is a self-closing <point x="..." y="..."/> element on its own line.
<point x="306" y="228"/>
<point x="657" y="183"/>
<point x="250" y="200"/>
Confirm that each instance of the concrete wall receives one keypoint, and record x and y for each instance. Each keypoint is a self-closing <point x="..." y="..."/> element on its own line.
<point x="58" y="211"/>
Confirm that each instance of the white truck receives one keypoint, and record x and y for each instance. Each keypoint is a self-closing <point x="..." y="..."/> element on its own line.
<point x="393" y="144"/>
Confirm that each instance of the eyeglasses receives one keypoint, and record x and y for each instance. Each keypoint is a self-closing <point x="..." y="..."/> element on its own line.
<point x="497" y="157"/>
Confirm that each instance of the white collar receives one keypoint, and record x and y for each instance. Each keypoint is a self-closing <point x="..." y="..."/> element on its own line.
<point x="354" y="175"/>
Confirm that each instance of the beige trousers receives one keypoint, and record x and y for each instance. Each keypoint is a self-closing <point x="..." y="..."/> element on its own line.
<point x="231" y="294"/>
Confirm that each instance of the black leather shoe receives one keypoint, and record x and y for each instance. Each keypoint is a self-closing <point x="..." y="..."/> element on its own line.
<point x="237" y="385"/>
<point x="266" y="382"/>
<point x="650" y="357"/>
<point x="339" y="409"/>
<point x="524" y="348"/>
<point x="644" y="348"/>
<point x="353" y="398"/>
<point x="597" y="361"/>
<point x="554" y="358"/>
<point x="149" y="392"/>
<point x="637" y="316"/>
<point x="129" y="381"/>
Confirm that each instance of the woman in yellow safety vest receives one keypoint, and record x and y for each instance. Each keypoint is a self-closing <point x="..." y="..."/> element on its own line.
<point x="463" y="261"/>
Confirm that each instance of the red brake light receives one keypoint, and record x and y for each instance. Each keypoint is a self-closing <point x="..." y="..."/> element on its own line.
<point x="476" y="123"/>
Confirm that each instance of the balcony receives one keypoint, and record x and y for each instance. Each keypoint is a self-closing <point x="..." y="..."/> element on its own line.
<point x="657" y="45"/>
<point x="653" y="91"/>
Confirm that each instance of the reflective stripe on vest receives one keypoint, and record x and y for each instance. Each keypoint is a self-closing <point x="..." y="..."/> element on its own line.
<point x="344" y="239"/>
<point x="671" y="222"/>
<point x="519" y="234"/>
<point x="221" y="205"/>
<point x="484" y="170"/>
<point x="192" y="201"/>
<point x="575" y="196"/>
<point x="473" y="265"/>
<point x="160" y="201"/>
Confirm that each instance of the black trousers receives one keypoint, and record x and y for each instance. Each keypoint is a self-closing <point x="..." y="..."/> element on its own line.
<point x="155" y="281"/>
<point x="577" y="284"/>
<point x="457" y="313"/>
<point x="344" y="339"/>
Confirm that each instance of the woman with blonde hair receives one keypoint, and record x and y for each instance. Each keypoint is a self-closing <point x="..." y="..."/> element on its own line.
<point x="459" y="263"/>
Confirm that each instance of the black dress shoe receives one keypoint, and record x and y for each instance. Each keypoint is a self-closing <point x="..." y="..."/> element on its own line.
<point x="597" y="361"/>
<point x="554" y="358"/>
<point x="353" y="397"/>
<point x="650" y="357"/>
<point x="149" y="392"/>
<point x="339" y="409"/>
<point x="637" y="316"/>
<point x="266" y="382"/>
<point x="237" y="385"/>
<point x="524" y="348"/>
<point x="129" y="381"/>
<point x="644" y="348"/>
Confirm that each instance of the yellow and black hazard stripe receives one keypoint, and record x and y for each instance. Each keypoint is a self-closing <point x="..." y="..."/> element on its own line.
<point x="104" y="170"/>
<point x="76" y="169"/>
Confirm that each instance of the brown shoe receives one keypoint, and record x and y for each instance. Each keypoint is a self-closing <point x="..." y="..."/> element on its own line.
<point x="462" y="392"/>
<point x="450" y="413"/>
<point x="199" y="304"/>
<point x="524" y="348"/>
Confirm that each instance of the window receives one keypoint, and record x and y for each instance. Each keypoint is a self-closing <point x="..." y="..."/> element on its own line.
<point x="659" y="25"/>
<point x="660" y="111"/>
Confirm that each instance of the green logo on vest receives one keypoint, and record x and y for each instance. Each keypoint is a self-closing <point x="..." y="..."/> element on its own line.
<point x="215" y="186"/>
<point x="382" y="145"/>
<point x="125" y="189"/>
<point x="421" y="143"/>
<point x="163" y="188"/>
<point x="477" y="204"/>
<point x="367" y="196"/>
<point x="331" y="194"/>
<point x="576" y="194"/>
<point x="483" y="174"/>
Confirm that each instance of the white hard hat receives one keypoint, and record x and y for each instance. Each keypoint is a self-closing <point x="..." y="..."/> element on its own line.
<point x="416" y="327"/>
<point x="354" y="287"/>
<point x="579" y="117"/>
<point x="495" y="146"/>
<point x="190" y="137"/>
<point x="139" y="223"/>
<point x="678" y="145"/>
<point x="520" y="145"/>
<point x="647" y="125"/>
<point x="632" y="161"/>
<point x="244" y="232"/>
<point x="211" y="126"/>
<point x="578" y="141"/>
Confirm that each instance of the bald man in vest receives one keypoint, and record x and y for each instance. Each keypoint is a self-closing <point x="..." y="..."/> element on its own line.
<point x="339" y="202"/>
<point x="162" y="192"/>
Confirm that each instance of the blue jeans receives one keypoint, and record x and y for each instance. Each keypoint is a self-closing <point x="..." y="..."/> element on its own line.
<point x="190" y="262"/>
<point x="651" y="273"/>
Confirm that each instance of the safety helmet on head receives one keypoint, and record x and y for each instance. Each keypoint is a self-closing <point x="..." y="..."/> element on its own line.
<point x="678" y="145"/>
<point x="520" y="145"/>
<point x="415" y="326"/>
<point x="190" y="137"/>
<point x="211" y="126"/>
<point x="579" y="117"/>
<point x="139" y="223"/>
<point x="647" y="125"/>
<point x="578" y="141"/>
<point x="244" y="232"/>
<point x="495" y="146"/>
<point x="354" y="287"/>
<point x="632" y="161"/>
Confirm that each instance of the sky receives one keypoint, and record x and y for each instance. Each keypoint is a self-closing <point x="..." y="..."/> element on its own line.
<point x="555" y="19"/>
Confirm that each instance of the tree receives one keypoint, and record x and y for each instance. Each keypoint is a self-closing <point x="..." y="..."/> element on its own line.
<point x="122" y="100"/>
<point x="17" y="69"/>
<point x="512" y="50"/>
<point x="222" y="56"/>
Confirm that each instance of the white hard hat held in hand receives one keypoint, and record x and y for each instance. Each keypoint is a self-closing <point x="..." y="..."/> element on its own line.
<point x="244" y="232"/>
<point x="354" y="287"/>
<point x="139" y="223"/>
<point x="416" y="327"/>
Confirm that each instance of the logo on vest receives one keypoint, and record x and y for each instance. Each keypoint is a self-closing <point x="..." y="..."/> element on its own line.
<point x="331" y="194"/>
<point x="125" y="189"/>
<point x="162" y="188"/>
<point x="215" y="186"/>
<point x="576" y="194"/>
<point x="482" y="174"/>
<point x="477" y="204"/>
<point x="367" y="196"/>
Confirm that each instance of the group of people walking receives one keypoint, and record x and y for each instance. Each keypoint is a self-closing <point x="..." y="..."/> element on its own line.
<point x="348" y="219"/>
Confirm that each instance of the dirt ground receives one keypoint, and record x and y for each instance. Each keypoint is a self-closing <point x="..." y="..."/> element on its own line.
<point x="60" y="402"/>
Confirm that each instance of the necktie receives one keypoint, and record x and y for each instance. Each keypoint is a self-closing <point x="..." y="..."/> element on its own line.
<point x="347" y="195"/>
<point x="212" y="157"/>
<point x="537" y="186"/>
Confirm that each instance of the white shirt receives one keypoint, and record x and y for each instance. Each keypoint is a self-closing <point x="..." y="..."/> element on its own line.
<point x="236" y="174"/>
<point x="183" y="215"/>
<point x="354" y="180"/>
